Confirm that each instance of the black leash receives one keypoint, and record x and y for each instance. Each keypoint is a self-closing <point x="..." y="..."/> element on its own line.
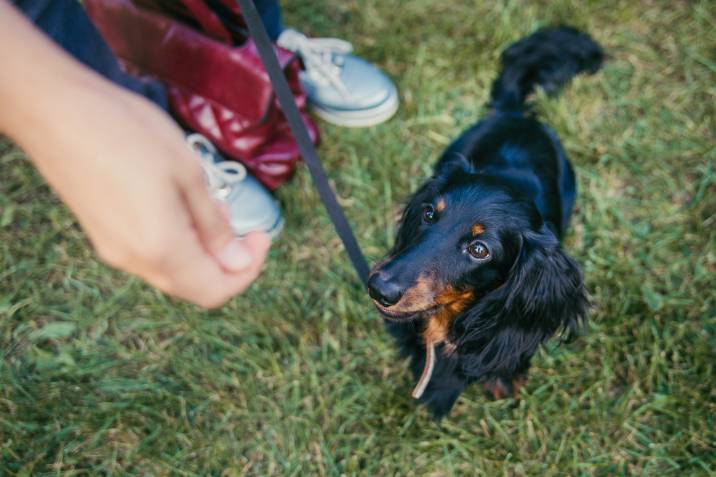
<point x="290" y="110"/>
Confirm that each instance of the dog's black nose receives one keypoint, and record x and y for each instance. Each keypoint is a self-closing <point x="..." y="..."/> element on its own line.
<point x="385" y="292"/>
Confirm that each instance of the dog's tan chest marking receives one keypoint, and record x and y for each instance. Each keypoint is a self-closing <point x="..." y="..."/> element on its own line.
<point x="436" y="331"/>
<point x="453" y="302"/>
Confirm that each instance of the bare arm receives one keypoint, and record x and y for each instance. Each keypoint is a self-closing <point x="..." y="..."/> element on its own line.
<point x="121" y="165"/>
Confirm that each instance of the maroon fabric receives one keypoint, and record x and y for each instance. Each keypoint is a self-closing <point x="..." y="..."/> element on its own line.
<point x="209" y="22"/>
<point x="217" y="89"/>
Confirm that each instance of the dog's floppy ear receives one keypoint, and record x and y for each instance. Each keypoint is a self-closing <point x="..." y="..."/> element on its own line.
<point x="545" y="288"/>
<point x="544" y="294"/>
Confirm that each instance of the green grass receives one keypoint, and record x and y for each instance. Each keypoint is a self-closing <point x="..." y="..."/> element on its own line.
<point x="102" y="375"/>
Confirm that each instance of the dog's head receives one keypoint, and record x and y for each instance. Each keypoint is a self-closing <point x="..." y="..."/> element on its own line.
<point x="475" y="261"/>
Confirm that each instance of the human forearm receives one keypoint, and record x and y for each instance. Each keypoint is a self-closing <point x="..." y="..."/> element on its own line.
<point x="36" y="74"/>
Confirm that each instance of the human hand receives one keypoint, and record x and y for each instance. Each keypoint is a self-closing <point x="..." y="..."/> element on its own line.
<point x="122" y="166"/>
<point x="124" y="169"/>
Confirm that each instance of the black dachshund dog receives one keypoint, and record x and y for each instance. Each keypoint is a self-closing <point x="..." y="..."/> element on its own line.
<point x="477" y="278"/>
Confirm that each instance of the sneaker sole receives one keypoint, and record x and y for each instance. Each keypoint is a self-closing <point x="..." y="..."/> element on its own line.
<point x="359" y="119"/>
<point x="273" y="231"/>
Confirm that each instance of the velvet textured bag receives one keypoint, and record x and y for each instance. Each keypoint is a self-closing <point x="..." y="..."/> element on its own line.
<point x="214" y="77"/>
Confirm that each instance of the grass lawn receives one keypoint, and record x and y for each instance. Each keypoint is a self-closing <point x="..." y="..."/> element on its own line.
<point x="101" y="375"/>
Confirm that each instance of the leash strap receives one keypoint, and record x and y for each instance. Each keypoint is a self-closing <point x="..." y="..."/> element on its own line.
<point x="308" y="151"/>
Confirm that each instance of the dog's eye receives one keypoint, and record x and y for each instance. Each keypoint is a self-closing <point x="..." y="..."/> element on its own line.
<point x="478" y="250"/>
<point x="429" y="214"/>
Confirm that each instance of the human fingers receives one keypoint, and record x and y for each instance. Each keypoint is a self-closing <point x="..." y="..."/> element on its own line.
<point x="212" y="223"/>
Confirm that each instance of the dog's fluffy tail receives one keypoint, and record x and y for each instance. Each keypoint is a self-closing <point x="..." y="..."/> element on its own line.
<point x="550" y="57"/>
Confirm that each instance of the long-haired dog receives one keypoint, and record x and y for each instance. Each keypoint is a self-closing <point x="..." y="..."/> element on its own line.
<point x="477" y="278"/>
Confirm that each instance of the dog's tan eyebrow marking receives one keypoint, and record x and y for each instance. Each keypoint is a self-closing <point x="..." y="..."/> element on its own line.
<point x="440" y="205"/>
<point x="477" y="229"/>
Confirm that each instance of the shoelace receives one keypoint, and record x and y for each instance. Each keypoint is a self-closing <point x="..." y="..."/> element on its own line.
<point x="318" y="55"/>
<point x="221" y="177"/>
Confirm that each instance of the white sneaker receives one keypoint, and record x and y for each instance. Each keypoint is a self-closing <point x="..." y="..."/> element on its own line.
<point x="251" y="206"/>
<point x="342" y="88"/>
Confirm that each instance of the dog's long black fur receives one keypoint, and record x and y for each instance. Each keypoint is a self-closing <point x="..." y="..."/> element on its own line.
<point x="506" y="189"/>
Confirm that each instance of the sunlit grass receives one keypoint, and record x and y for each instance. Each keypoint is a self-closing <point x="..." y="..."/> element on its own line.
<point x="102" y="375"/>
